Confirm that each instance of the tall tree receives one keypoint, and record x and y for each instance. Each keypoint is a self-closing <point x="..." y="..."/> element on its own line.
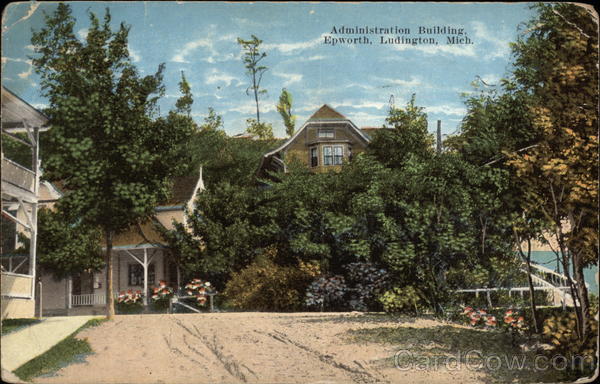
<point x="252" y="57"/>
<point x="284" y="107"/>
<point x="184" y="103"/>
<point x="115" y="161"/>
<point x="212" y="122"/>
<point x="556" y="62"/>
<point x="409" y="136"/>
<point x="263" y="131"/>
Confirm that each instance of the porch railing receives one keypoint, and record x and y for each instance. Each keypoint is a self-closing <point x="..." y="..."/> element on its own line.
<point x="88" y="299"/>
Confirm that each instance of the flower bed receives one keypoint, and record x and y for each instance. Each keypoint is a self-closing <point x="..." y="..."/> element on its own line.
<point x="130" y="302"/>
<point x="513" y="320"/>
<point x="200" y="290"/>
<point x="161" y="295"/>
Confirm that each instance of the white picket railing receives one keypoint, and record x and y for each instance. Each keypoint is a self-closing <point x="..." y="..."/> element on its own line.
<point x="88" y="299"/>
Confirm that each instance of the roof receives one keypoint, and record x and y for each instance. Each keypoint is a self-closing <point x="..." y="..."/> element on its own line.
<point x="139" y="234"/>
<point x="323" y="114"/>
<point x="327" y="113"/>
<point x="182" y="191"/>
<point x="15" y="111"/>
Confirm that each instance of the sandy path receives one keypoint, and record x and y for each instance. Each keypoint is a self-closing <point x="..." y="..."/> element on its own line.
<point x="240" y="348"/>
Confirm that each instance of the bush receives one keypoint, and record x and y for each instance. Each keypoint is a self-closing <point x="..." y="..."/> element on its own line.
<point x="327" y="292"/>
<point x="161" y="295"/>
<point x="560" y="331"/>
<point x="200" y="289"/>
<point x="402" y="300"/>
<point x="357" y="289"/>
<point x="130" y="302"/>
<point x="267" y="286"/>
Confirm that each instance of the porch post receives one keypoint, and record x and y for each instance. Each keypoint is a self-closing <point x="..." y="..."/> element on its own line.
<point x="69" y="292"/>
<point x="145" y="276"/>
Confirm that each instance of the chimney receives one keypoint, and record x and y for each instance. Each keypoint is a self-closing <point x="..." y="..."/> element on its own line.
<point x="439" y="137"/>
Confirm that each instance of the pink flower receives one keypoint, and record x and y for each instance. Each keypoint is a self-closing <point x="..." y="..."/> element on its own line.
<point x="490" y="321"/>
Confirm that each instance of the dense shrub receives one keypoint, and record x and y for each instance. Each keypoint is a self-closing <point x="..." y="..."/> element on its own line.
<point x="267" y="286"/>
<point x="403" y="300"/>
<point x="358" y="289"/>
<point x="327" y="293"/>
<point x="560" y="330"/>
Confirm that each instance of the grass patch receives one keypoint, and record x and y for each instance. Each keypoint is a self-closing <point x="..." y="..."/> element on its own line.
<point x="62" y="354"/>
<point x="11" y="325"/>
<point x="498" y="354"/>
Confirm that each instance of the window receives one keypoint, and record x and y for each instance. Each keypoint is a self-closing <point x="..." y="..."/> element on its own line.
<point x="338" y="155"/>
<point x="327" y="133"/>
<point x="333" y="155"/>
<point x="136" y="274"/>
<point x="314" y="159"/>
<point x="327" y="156"/>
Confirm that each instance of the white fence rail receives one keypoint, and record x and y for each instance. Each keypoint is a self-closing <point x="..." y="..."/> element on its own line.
<point x="88" y="299"/>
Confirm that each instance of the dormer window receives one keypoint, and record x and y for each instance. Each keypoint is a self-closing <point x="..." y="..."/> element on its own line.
<point x="326" y="134"/>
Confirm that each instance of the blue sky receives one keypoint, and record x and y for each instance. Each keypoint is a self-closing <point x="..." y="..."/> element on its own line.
<point x="357" y="80"/>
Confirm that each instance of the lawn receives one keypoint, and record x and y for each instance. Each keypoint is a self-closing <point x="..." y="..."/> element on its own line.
<point x="502" y="356"/>
<point x="11" y="325"/>
<point x="69" y="350"/>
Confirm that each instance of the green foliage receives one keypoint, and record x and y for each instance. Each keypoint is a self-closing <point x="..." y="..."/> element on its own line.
<point x="264" y="131"/>
<point x="266" y="286"/>
<point x="183" y="105"/>
<point x="11" y="325"/>
<point x="403" y="300"/>
<point x="251" y="58"/>
<point x="114" y="160"/>
<point x="69" y="350"/>
<point x="409" y="136"/>
<point x="65" y="247"/>
<point x="225" y="159"/>
<point x="560" y="331"/>
<point x="284" y="107"/>
<point x="212" y="121"/>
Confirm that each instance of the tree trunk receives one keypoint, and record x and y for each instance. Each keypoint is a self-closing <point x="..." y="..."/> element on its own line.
<point x="531" y="290"/>
<point x="527" y="259"/>
<point x="584" y="301"/>
<point x="110" y="300"/>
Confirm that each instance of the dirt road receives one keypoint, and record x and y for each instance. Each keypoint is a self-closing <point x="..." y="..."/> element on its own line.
<point x="242" y="348"/>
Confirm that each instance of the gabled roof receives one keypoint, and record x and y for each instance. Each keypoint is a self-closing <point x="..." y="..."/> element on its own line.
<point x="327" y="113"/>
<point x="16" y="111"/>
<point x="324" y="114"/>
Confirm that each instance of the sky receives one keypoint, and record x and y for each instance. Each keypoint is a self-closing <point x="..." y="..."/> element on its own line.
<point x="359" y="80"/>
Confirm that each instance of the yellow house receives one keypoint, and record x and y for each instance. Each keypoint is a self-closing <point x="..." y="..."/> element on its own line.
<point x="325" y="140"/>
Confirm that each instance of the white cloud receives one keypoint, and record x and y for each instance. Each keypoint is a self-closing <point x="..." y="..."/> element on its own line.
<point x="214" y="76"/>
<point x="249" y="108"/>
<point x="501" y="47"/>
<point x="188" y="48"/>
<point x="134" y="55"/>
<point x="446" y="110"/>
<point x="413" y="82"/>
<point x="491" y="79"/>
<point x="82" y="33"/>
<point x="290" y="78"/>
<point x="453" y="50"/>
<point x="207" y="43"/>
<point x="359" y="104"/>
<point x="39" y="106"/>
<point x="287" y="48"/>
